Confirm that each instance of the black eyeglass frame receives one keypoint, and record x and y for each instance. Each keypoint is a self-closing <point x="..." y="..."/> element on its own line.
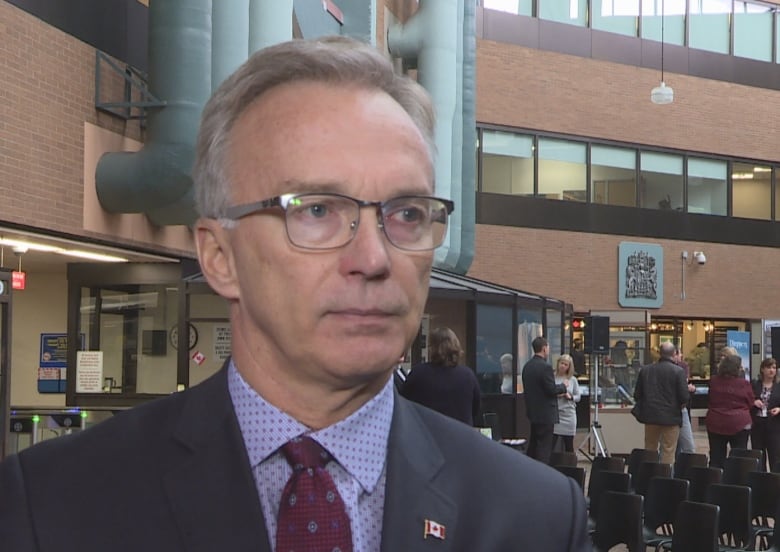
<point x="237" y="212"/>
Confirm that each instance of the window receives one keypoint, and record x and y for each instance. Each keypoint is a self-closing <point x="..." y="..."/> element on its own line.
<point x="751" y="189"/>
<point x="494" y="339"/>
<point x="661" y="181"/>
<point x="562" y="169"/>
<point x="753" y="31"/>
<point x="673" y="21"/>
<point x="613" y="176"/>
<point x="507" y="163"/>
<point x="707" y="186"/>
<point x="616" y="16"/>
<point x="573" y="12"/>
<point x="519" y="7"/>
<point x="709" y="25"/>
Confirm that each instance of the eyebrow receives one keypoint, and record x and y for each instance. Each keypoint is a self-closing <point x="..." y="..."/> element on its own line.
<point x="333" y="186"/>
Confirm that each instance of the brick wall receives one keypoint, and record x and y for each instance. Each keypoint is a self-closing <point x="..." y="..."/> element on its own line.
<point x="47" y="92"/>
<point x="582" y="269"/>
<point x="555" y="92"/>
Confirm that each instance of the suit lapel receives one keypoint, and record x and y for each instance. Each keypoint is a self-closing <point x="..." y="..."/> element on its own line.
<point x="411" y="495"/>
<point x="209" y="482"/>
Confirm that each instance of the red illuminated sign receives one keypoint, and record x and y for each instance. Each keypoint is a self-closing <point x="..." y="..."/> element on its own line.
<point x="18" y="279"/>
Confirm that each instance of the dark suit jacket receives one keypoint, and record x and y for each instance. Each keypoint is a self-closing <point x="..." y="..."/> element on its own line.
<point x="541" y="392"/>
<point x="173" y="475"/>
<point x="451" y="390"/>
<point x="774" y="400"/>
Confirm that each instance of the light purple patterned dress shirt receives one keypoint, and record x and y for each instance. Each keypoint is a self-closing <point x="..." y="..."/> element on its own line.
<point x="358" y="444"/>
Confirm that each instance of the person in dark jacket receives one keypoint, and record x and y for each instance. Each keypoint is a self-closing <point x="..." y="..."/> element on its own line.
<point x="443" y="384"/>
<point x="541" y="400"/>
<point x="728" y="414"/>
<point x="661" y="393"/>
<point x="765" y="432"/>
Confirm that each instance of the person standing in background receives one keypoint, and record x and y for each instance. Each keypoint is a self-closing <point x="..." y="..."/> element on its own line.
<point x="685" y="442"/>
<point x="765" y="432"/>
<point x="566" y="428"/>
<point x="661" y="392"/>
<point x="507" y="383"/>
<point x="443" y="384"/>
<point x="728" y="415"/>
<point x="541" y="404"/>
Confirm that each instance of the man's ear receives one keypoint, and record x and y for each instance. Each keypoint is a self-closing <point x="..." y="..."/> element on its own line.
<point x="215" y="254"/>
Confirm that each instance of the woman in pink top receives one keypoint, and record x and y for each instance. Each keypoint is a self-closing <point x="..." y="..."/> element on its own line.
<point x="728" y="418"/>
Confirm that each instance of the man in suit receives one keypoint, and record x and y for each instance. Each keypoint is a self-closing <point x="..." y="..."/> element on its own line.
<point x="541" y="400"/>
<point x="314" y="182"/>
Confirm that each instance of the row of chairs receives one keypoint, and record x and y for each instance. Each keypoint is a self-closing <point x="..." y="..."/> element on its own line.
<point x="719" y="525"/>
<point x="750" y="497"/>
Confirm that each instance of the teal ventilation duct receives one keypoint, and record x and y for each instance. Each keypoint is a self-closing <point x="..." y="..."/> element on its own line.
<point x="193" y="47"/>
<point x="439" y="39"/>
<point x="157" y="178"/>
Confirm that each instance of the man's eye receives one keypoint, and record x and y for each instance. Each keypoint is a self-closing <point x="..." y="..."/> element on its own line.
<point x="317" y="210"/>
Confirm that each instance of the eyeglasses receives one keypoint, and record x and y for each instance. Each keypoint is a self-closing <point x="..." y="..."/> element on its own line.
<point x="330" y="221"/>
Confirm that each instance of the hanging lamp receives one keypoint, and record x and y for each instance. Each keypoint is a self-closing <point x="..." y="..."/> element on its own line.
<point x="662" y="94"/>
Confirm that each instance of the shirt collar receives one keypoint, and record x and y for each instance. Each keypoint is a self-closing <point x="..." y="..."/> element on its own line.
<point x="358" y="443"/>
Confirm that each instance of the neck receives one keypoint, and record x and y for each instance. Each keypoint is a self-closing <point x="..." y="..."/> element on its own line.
<point x="317" y="400"/>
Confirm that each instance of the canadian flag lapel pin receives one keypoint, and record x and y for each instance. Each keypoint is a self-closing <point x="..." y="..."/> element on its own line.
<point x="433" y="529"/>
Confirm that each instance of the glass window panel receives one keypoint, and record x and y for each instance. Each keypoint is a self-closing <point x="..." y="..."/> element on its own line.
<point x="554" y="334"/>
<point x="573" y="12"/>
<point x="673" y="21"/>
<point x="707" y="186"/>
<point x="494" y="338"/>
<point x="709" y="25"/>
<point x="753" y="31"/>
<point x="507" y="163"/>
<point x="661" y="181"/>
<point x="529" y="326"/>
<point x="130" y="324"/>
<point x="616" y="16"/>
<point x="613" y="176"/>
<point x="562" y="169"/>
<point x="519" y="7"/>
<point x="751" y="189"/>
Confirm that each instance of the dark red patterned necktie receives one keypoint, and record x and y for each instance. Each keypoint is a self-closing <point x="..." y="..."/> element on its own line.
<point x="312" y="516"/>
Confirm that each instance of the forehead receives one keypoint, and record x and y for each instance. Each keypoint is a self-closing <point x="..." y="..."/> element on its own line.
<point x="321" y="137"/>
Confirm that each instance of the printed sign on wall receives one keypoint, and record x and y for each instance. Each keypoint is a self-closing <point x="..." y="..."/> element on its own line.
<point x="640" y="275"/>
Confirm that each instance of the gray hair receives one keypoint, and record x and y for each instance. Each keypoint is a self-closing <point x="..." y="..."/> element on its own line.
<point x="331" y="60"/>
<point x="667" y="349"/>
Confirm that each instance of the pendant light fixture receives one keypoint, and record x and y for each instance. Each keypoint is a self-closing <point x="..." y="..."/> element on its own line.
<point x="662" y="94"/>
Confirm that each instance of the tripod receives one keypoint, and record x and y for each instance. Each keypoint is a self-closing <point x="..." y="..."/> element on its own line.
<point x="594" y="444"/>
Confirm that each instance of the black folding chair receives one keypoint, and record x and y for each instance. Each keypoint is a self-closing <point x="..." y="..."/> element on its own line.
<point x="734" y="526"/>
<point x="601" y="463"/>
<point x="701" y="478"/>
<point x="764" y="501"/>
<point x="695" y="528"/>
<point x="601" y="482"/>
<point x="686" y="460"/>
<point x="619" y="522"/>
<point x="563" y="458"/>
<point x="575" y="472"/>
<point x="636" y="458"/>
<point x="750" y="453"/>
<point x="647" y="471"/>
<point x="736" y="469"/>
<point x="664" y="495"/>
